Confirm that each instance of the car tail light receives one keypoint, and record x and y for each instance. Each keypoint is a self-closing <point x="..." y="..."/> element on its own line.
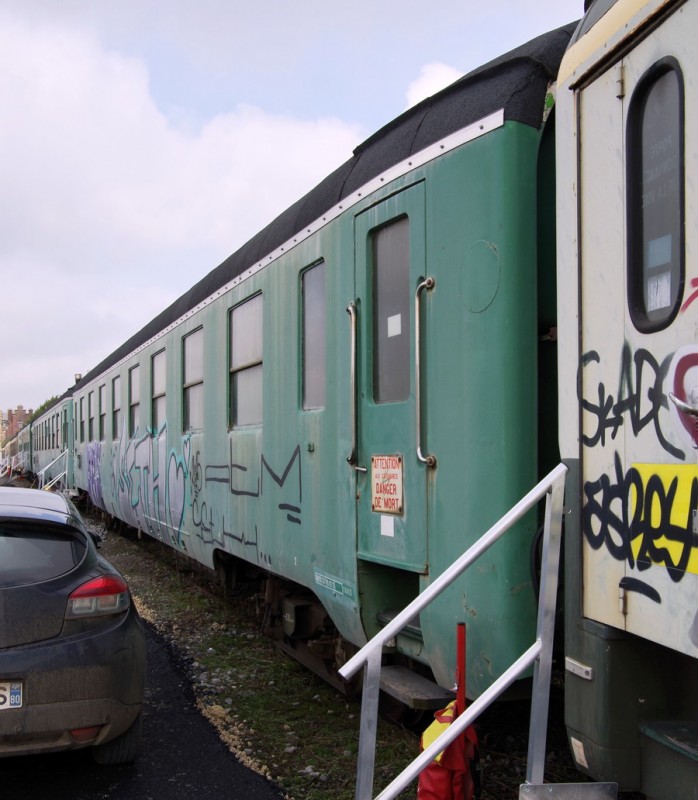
<point x="99" y="597"/>
<point x="82" y="735"/>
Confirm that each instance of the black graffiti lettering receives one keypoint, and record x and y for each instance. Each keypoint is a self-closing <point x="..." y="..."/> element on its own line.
<point x="201" y="516"/>
<point x="152" y="489"/>
<point x="608" y="521"/>
<point x="640" y="587"/>
<point x="241" y="538"/>
<point x="291" y="517"/>
<point x="602" y="411"/>
<point x="242" y="492"/>
<point x="640" y="398"/>
<point x="605" y="515"/>
<point x="217" y="473"/>
<point x="281" y="480"/>
<point x="657" y="497"/>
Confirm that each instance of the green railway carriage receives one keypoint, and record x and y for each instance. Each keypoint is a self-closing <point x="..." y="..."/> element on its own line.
<point x="350" y="457"/>
<point x="48" y="444"/>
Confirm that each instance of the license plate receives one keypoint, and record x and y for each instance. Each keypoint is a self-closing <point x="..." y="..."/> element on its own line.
<point x="10" y="695"/>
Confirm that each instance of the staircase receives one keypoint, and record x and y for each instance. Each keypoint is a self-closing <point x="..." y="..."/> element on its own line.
<point x="538" y="655"/>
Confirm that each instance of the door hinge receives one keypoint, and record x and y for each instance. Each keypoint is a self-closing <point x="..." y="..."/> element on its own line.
<point x="623" y="601"/>
<point x="620" y="82"/>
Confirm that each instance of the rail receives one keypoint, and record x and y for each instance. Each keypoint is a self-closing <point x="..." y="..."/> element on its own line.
<point x="41" y="475"/>
<point x="13" y="464"/>
<point x="538" y="655"/>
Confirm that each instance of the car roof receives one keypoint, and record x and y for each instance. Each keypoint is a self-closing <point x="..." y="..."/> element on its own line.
<point x="19" y="503"/>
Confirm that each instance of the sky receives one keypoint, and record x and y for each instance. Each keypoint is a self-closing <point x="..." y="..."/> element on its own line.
<point x="144" y="141"/>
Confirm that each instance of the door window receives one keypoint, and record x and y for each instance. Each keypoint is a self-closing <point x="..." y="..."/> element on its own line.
<point x="655" y="198"/>
<point x="391" y="312"/>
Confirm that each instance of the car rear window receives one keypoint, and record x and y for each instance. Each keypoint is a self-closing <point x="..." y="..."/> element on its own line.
<point x="32" y="555"/>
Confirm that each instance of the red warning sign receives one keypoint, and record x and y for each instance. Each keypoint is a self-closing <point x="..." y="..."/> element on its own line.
<point x="386" y="484"/>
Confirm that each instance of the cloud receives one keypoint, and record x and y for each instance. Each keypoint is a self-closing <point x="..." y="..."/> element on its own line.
<point x="110" y="208"/>
<point x="432" y="78"/>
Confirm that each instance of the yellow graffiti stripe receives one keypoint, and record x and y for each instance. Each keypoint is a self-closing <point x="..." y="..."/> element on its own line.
<point x="680" y="510"/>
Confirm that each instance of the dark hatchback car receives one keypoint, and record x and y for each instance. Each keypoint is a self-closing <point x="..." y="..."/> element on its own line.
<point x="72" y="646"/>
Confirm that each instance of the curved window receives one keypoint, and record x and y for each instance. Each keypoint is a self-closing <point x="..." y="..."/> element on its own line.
<point x="655" y="158"/>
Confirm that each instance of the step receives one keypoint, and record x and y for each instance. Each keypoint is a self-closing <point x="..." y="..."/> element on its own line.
<point x="669" y="759"/>
<point x="413" y="628"/>
<point x="568" y="791"/>
<point x="414" y="690"/>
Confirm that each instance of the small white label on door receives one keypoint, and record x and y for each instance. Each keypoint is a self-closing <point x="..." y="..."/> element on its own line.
<point x="387" y="525"/>
<point x="394" y="325"/>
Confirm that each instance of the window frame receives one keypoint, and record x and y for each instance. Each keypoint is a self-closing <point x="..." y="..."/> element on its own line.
<point x="390" y="385"/>
<point x="313" y="391"/>
<point x="91" y="416"/>
<point x="255" y="362"/>
<point x="134" y="400"/>
<point x="155" y="395"/>
<point x="642" y="318"/>
<point x="102" y="410"/>
<point x="190" y="387"/>
<point x="116" y="406"/>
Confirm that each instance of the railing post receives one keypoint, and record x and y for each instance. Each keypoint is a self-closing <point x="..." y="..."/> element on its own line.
<point x="538" y="655"/>
<point x="545" y="632"/>
<point x="369" y="724"/>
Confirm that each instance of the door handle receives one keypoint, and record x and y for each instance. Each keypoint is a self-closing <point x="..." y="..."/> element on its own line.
<point x="427" y="283"/>
<point x="352" y="457"/>
<point x="687" y="408"/>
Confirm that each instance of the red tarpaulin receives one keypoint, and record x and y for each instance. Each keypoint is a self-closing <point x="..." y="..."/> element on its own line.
<point x="453" y="774"/>
<point x="450" y="776"/>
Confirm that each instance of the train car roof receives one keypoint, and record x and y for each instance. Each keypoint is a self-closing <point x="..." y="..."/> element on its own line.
<point x="516" y="82"/>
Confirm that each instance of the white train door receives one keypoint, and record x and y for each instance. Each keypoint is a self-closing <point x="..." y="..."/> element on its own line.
<point x="638" y="139"/>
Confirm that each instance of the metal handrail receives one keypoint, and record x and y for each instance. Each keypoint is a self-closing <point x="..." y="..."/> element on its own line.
<point x="539" y="654"/>
<point x="426" y="284"/>
<point x="41" y="475"/>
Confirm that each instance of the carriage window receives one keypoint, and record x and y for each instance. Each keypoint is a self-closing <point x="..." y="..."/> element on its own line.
<point x="159" y="390"/>
<point x="82" y="419"/>
<point x="391" y="312"/>
<point x="655" y="198"/>
<point x="194" y="380"/>
<point x="134" y="400"/>
<point x="91" y="416"/>
<point x="313" y="289"/>
<point x="246" y="363"/>
<point x="116" y="406"/>
<point x="102" y="411"/>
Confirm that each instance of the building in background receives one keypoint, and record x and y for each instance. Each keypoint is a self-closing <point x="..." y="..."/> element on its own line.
<point x="13" y="422"/>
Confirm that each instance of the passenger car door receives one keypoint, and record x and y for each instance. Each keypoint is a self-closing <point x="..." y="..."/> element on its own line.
<point x="639" y="370"/>
<point x="391" y="480"/>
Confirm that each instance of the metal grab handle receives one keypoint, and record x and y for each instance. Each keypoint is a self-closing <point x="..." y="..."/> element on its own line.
<point x="351" y="310"/>
<point x="427" y="283"/>
<point x="683" y="406"/>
